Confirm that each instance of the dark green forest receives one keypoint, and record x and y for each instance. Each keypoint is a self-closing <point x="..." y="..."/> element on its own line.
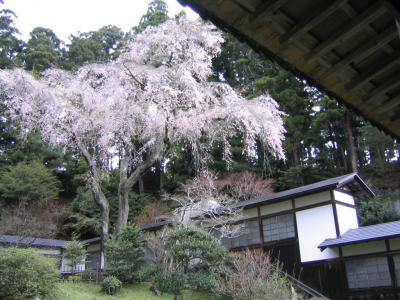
<point x="43" y="189"/>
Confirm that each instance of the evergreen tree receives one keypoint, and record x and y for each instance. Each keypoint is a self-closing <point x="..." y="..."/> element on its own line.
<point x="28" y="182"/>
<point x="43" y="50"/>
<point x="10" y="44"/>
<point x="157" y="13"/>
<point x="95" y="46"/>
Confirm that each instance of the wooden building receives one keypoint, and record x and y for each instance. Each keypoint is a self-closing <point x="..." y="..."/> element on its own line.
<point x="314" y="232"/>
<point x="56" y="248"/>
<point x="371" y="257"/>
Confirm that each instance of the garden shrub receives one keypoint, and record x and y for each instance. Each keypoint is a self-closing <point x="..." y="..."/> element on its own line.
<point x="26" y="274"/>
<point x="124" y="253"/>
<point x="196" y="254"/>
<point x="170" y="282"/>
<point x="194" y="250"/>
<point x="111" y="285"/>
<point x="199" y="281"/>
<point x="147" y="273"/>
<point x="252" y="275"/>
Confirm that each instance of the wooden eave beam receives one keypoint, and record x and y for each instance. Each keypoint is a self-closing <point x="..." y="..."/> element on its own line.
<point x="346" y="31"/>
<point x="363" y="51"/>
<point x="388" y="105"/>
<point x="395" y="116"/>
<point x="242" y="7"/>
<point x="383" y="88"/>
<point x="310" y="22"/>
<point x="377" y="69"/>
<point x="266" y="9"/>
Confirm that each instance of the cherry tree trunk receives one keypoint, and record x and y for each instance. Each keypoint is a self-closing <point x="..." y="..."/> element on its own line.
<point x="123" y="207"/>
<point x="97" y="193"/>
<point x="125" y="185"/>
<point x="123" y="195"/>
<point x="102" y="202"/>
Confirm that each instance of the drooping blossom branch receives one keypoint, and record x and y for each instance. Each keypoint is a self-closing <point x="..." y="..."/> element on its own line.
<point x="155" y="94"/>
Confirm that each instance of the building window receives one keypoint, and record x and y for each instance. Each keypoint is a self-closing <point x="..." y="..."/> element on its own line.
<point x="368" y="272"/>
<point x="396" y="260"/>
<point x="278" y="228"/>
<point x="250" y="235"/>
<point x="93" y="260"/>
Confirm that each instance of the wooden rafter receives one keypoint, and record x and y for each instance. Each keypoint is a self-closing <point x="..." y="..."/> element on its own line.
<point x="266" y="9"/>
<point x="395" y="116"/>
<point x="346" y="31"/>
<point x="240" y="4"/>
<point x="383" y="88"/>
<point x="358" y="54"/>
<point x="375" y="70"/>
<point x="388" y="105"/>
<point x="310" y="22"/>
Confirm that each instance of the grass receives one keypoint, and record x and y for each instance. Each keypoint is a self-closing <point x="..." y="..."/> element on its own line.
<point x="90" y="291"/>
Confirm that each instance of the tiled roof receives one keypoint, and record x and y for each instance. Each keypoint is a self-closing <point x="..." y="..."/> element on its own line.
<point x="32" y="241"/>
<point x="39" y="242"/>
<point x="364" y="234"/>
<point x="336" y="182"/>
<point x="151" y="226"/>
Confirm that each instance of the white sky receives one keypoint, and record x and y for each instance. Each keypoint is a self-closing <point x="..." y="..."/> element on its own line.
<point x="67" y="17"/>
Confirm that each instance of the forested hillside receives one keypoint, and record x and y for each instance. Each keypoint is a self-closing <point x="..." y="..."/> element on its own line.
<point x="44" y="189"/>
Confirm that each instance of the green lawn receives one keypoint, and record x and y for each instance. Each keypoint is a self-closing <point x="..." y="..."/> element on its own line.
<point x="90" y="291"/>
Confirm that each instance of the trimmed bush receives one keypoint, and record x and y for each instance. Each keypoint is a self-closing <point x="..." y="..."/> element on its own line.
<point x="194" y="250"/>
<point x="124" y="254"/>
<point x="170" y="282"/>
<point x="26" y="274"/>
<point x="111" y="285"/>
<point x="196" y="254"/>
<point x="206" y="282"/>
<point x="189" y="258"/>
<point x="149" y="272"/>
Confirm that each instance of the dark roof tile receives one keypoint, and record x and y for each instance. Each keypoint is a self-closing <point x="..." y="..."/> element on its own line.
<point x="32" y="241"/>
<point x="336" y="182"/>
<point x="364" y="234"/>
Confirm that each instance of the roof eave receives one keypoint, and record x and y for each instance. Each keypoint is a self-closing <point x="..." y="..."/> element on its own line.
<point x="322" y="248"/>
<point x="278" y="199"/>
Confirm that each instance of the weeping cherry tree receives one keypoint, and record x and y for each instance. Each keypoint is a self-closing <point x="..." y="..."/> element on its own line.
<point x="155" y="94"/>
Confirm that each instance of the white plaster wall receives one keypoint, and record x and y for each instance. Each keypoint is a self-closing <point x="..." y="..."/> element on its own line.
<point x="49" y="251"/>
<point x="394" y="244"/>
<point x="250" y="213"/>
<point x="275" y="207"/>
<point x="342" y="197"/>
<point x="364" y="248"/>
<point x="102" y="261"/>
<point x="347" y="218"/>
<point x="312" y="199"/>
<point x="314" y="225"/>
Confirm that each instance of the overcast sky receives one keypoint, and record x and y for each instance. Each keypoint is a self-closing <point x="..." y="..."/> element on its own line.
<point x="67" y="17"/>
